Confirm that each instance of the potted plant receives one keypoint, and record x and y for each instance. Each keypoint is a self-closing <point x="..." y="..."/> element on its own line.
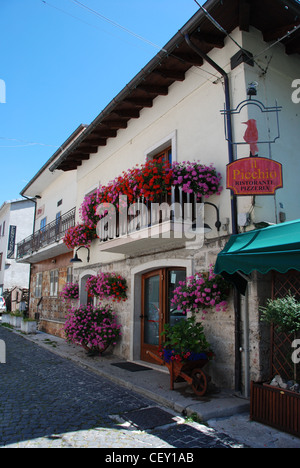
<point x="185" y="352"/>
<point x="185" y="341"/>
<point x="93" y="328"/>
<point x="284" y="313"/>
<point x="274" y="403"/>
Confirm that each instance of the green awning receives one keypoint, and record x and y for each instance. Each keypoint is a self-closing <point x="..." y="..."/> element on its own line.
<point x="273" y="248"/>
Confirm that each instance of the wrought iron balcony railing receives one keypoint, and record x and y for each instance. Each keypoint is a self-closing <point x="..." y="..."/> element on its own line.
<point x="50" y="234"/>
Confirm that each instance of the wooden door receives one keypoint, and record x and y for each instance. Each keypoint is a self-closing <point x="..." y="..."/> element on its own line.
<point x="157" y="310"/>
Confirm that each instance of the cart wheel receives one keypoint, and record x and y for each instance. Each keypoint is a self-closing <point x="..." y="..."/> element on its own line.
<point x="199" y="384"/>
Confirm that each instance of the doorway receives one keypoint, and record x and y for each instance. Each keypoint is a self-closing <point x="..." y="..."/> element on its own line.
<point x="156" y="308"/>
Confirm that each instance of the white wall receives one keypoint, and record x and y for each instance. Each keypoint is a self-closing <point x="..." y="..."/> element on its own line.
<point x="190" y="114"/>
<point x="276" y="84"/>
<point x="19" y="214"/>
<point x="191" y="111"/>
<point x="61" y="188"/>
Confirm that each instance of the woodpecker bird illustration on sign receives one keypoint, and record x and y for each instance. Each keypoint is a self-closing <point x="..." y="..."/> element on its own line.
<point x="251" y="136"/>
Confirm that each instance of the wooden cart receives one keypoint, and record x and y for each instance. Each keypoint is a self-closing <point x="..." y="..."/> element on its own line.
<point x="190" y="371"/>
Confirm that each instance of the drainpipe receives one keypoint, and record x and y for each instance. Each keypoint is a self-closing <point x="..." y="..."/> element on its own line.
<point x="33" y="200"/>
<point x="237" y="296"/>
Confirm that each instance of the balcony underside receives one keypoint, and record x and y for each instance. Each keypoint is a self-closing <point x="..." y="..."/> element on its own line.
<point x="48" y="252"/>
<point x="165" y="236"/>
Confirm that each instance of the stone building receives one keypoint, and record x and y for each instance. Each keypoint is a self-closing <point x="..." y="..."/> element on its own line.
<point x="176" y="108"/>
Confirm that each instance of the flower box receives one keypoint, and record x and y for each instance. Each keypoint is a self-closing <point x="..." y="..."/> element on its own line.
<point x="6" y="318"/>
<point x="16" y="321"/>
<point x="28" y="327"/>
<point x="275" y="407"/>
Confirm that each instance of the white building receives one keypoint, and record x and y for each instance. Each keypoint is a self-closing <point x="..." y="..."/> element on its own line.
<point x="16" y="223"/>
<point x="173" y="106"/>
<point x="44" y="250"/>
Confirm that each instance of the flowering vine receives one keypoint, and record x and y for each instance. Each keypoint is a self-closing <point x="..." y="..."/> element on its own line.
<point x="93" y="328"/>
<point x="107" y="286"/>
<point x="201" y="291"/>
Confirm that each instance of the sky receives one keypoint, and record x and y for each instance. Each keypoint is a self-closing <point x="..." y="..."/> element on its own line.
<point x="62" y="62"/>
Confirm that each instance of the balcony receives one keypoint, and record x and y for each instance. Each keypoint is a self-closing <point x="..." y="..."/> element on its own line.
<point x="46" y="242"/>
<point x="174" y="221"/>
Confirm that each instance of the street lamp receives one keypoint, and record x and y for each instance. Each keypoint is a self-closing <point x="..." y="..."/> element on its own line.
<point x="218" y="222"/>
<point x="78" y="260"/>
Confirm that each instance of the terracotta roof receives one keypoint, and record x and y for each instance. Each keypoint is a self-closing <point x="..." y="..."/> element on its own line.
<point x="274" y="18"/>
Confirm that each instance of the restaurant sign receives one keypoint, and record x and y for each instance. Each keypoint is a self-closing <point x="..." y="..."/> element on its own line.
<point x="254" y="176"/>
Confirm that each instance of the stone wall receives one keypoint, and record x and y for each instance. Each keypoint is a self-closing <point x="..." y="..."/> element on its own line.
<point x="219" y="326"/>
<point x="51" y="310"/>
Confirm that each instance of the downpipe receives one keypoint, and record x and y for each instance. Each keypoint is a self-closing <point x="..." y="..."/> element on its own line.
<point x="237" y="296"/>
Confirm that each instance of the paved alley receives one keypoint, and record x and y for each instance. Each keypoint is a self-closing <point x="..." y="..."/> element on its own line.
<point x="48" y="401"/>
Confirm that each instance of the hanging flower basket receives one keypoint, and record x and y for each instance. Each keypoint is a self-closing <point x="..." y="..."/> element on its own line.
<point x="107" y="286"/>
<point x="70" y="292"/>
<point x="92" y="328"/>
<point x="79" y="235"/>
<point x="200" y="292"/>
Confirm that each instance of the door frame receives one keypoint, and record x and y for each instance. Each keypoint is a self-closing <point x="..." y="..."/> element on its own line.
<point x="136" y="294"/>
<point x="163" y="318"/>
<point x="153" y="348"/>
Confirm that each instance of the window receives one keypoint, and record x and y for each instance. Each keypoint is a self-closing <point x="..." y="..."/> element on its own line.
<point x="38" y="285"/>
<point x="167" y="147"/>
<point x="57" y="223"/>
<point x="54" y="283"/>
<point x="165" y="155"/>
<point x="70" y="275"/>
<point x="1" y="257"/>
<point x="43" y="224"/>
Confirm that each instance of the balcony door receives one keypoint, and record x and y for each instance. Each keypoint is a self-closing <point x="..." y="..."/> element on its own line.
<point x="157" y="292"/>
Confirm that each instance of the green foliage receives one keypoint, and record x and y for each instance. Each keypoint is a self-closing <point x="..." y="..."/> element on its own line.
<point x="186" y="335"/>
<point x="283" y="312"/>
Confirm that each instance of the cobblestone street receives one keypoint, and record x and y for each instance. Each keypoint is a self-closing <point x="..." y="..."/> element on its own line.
<point x="48" y="401"/>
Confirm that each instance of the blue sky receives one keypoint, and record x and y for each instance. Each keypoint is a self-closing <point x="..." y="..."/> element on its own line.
<point x="62" y="64"/>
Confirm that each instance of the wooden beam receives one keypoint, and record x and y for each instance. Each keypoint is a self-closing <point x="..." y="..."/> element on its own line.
<point x="244" y="15"/>
<point x="170" y="74"/>
<point x="277" y="33"/>
<point x="211" y="40"/>
<point x="86" y="150"/>
<point x="116" y="124"/>
<point x="80" y="157"/>
<point x="140" y="102"/>
<point x="104" y="132"/>
<point x="154" y="89"/>
<point x="96" y="140"/>
<point x="128" y="113"/>
<point x="293" y="47"/>
<point x="189" y="58"/>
